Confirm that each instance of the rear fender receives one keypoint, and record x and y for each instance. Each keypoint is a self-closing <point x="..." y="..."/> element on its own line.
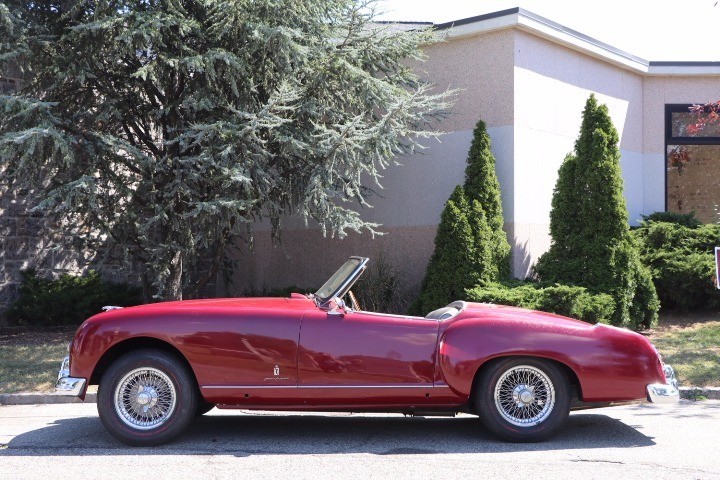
<point x="467" y="345"/>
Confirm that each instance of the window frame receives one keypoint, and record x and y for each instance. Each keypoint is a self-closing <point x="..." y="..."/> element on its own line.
<point x="671" y="108"/>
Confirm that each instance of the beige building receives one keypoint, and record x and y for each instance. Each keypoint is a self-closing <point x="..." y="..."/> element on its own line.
<point x="528" y="78"/>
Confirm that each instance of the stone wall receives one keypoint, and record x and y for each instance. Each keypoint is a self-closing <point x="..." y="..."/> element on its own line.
<point x="25" y="244"/>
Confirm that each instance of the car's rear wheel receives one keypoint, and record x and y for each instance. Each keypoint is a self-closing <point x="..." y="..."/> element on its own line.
<point x="146" y="397"/>
<point x="522" y="399"/>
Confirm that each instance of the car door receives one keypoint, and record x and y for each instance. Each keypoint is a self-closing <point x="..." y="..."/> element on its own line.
<point x="355" y="354"/>
<point x="246" y="355"/>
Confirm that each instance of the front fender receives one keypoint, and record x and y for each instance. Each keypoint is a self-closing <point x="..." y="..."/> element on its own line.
<point x="95" y="339"/>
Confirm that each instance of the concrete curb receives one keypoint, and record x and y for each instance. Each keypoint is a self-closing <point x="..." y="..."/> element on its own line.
<point x="689" y="393"/>
<point x="694" y="393"/>
<point x="42" y="398"/>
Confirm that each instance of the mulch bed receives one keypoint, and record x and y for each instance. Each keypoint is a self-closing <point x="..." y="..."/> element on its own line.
<point x="33" y="336"/>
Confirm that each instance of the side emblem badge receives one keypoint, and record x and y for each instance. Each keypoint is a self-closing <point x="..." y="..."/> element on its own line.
<point x="276" y="371"/>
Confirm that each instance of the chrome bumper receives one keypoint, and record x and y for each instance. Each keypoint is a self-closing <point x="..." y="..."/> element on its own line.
<point x="67" y="385"/>
<point x="664" y="393"/>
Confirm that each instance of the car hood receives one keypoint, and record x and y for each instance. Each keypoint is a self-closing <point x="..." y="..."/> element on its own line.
<point x="294" y="302"/>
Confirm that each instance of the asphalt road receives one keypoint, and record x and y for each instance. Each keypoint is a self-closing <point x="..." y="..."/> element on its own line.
<point x="640" y="441"/>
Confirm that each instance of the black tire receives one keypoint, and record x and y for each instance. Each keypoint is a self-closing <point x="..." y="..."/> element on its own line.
<point x="522" y="399"/>
<point x="146" y="398"/>
<point x="203" y="407"/>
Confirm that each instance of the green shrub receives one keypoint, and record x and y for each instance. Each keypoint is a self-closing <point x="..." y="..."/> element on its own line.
<point x="591" y="244"/>
<point x="685" y="281"/>
<point x="570" y="301"/>
<point x="682" y="263"/>
<point x="452" y="265"/>
<point x="653" y="236"/>
<point x="645" y="303"/>
<point x="471" y="246"/>
<point x="515" y="293"/>
<point x="685" y="219"/>
<point x="69" y="300"/>
<point x="482" y="186"/>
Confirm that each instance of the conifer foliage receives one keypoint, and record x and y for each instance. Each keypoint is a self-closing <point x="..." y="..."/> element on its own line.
<point x="482" y="186"/>
<point x="452" y="266"/>
<point x="168" y="127"/>
<point x="471" y="247"/>
<point x="591" y="242"/>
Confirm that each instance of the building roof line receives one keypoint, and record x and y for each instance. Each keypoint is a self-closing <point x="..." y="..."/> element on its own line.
<point x="477" y="18"/>
<point x="684" y="64"/>
<point x="544" y="27"/>
<point x="581" y="36"/>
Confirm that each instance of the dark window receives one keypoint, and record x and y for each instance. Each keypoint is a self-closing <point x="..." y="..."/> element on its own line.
<point x="692" y="158"/>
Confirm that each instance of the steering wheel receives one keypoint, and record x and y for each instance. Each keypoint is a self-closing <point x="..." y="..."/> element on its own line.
<point x="353" y="301"/>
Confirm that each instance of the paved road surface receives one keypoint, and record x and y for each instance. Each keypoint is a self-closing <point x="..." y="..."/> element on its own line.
<point x="636" y="442"/>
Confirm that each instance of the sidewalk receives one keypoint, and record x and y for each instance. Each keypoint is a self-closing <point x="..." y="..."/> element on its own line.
<point x="689" y="393"/>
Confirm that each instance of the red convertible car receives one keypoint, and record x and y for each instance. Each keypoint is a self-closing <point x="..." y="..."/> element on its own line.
<point x="520" y="371"/>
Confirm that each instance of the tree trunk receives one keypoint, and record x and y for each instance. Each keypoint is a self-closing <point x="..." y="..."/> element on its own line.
<point x="174" y="290"/>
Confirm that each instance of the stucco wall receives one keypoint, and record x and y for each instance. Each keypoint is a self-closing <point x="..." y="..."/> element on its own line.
<point x="552" y="84"/>
<point x="408" y="209"/>
<point x="481" y="67"/>
<point x="306" y="259"/>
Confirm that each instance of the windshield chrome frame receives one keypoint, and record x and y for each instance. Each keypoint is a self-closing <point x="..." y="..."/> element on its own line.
<point x="347" y="283"/>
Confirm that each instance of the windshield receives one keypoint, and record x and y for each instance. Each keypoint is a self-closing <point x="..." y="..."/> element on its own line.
<point x="342" y="279"/>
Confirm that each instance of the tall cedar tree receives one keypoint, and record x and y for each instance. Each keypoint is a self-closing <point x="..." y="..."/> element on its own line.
<point x="166" y="128"/>
<point x="591" y="242"/>
<point x="452" y="265"/>
<point x="482" y="186"/>
<point x="463" y="259"/>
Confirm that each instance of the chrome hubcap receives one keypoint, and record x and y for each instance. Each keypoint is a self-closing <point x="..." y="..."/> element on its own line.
<point x="524" y="396"/>
<point x="145" y="398"/>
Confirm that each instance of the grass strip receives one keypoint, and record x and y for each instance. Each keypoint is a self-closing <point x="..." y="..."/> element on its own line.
<point x="693" y="351"/>
<point x="30" y="360"/>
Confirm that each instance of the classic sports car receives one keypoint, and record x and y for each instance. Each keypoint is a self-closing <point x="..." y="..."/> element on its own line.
<point x="520" y="371"/>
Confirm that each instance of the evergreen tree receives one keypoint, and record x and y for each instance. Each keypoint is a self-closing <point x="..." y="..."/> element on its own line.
<point x="169" y="127"/>
<point x="452" y="265"/>
<point x="591" y="241"/>
<point x="481" y="185"/>
<point x="485" y="262"/>
<point x="462" y="258"/>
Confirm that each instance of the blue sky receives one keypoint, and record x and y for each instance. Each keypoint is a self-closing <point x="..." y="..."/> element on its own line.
<point x="673" y="30"/>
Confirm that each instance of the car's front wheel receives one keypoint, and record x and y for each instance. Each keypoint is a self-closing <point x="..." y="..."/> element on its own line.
<point x="522" y="399"/>
<point x="146" y="397"/>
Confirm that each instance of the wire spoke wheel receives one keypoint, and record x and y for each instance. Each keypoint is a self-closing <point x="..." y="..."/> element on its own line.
<point x="523" y="399"/>
<point x="145" y="398"/>
<point x="524" y="396"/>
